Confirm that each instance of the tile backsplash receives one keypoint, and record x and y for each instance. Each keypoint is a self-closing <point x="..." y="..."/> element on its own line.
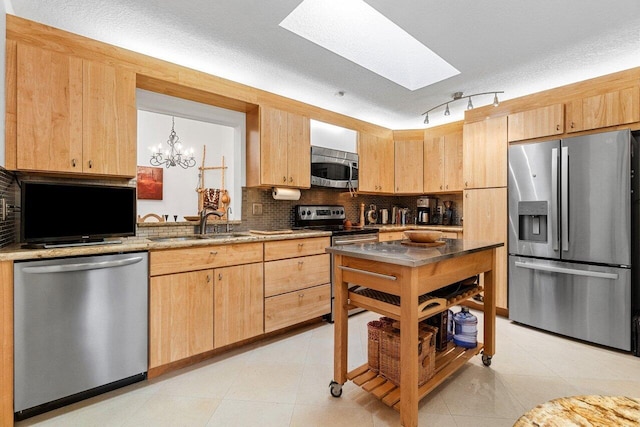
<point x="276" y="214"/>
<point x="9" y="228"/>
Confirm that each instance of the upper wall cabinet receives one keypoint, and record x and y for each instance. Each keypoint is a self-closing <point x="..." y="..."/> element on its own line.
<point x="443" y="159"/>
<point x="409" y="166"/>
<point x="608" y="109"/>
<point x="278" y="149"/>
<point x="536" y="123"/>
<point x="376" y="157"/>
<point x="485" y="153"/>
<point x="73" y="115"/>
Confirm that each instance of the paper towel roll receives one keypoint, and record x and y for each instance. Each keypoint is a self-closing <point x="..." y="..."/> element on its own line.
<point x="286" y="194"/>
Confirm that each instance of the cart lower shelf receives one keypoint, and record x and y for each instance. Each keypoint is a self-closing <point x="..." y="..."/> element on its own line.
<point x="448" y="361"/>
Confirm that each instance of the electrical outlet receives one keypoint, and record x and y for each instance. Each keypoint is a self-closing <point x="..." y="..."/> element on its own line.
<point x="257" y="208"/>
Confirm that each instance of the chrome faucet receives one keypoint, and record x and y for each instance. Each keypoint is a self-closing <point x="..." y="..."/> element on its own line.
<point x="204" y="214"/>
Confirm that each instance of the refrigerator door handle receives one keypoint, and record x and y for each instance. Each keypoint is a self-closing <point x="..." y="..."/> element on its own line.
<point x="554" y="198"/>
<point x="563" y="270"/>
<point x="564" y="192"/>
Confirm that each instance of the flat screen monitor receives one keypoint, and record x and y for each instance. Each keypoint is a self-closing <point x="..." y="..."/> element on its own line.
<point x="61" y="212"/>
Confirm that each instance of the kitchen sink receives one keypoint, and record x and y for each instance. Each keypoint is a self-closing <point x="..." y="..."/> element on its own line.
<point x="198" y="237"/>
<point x="225" y="235"/>
<point x="177" y="238"/>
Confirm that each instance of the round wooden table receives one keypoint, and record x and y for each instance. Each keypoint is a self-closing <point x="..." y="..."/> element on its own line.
<point x="584" y="411"/>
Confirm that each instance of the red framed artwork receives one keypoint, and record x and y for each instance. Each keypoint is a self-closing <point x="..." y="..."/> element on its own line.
<point x="149" y="183"/>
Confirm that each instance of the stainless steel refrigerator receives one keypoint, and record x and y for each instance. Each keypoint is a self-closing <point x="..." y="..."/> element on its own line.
<point x="570" y="236"/>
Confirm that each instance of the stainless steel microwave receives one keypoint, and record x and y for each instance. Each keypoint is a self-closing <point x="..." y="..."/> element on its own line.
<point x="333" y="168"/>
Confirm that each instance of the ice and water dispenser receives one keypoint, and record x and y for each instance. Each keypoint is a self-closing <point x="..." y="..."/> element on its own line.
<point x="532" y="221"/>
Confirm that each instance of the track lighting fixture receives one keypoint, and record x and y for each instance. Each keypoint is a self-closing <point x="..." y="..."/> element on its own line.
<point x="457" y="96"/>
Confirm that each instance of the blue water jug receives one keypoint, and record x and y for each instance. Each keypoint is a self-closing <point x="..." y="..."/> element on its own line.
<point x="466" y="329"/>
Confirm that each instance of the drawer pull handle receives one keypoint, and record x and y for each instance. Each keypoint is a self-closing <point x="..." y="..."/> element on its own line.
<point x="219" y="276"/>
<point x="208" y="278"/>
<point x="301" y="295"/>
<point x="300" y="263"/>
<point x="370" y="273"/>
<point x="90" y="164"/>
<point x="213" y="252"/>
<point x="73" y="163"/>
<point x="300" y="245"/>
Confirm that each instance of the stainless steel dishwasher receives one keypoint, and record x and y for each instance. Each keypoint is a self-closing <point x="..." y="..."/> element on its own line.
<point x="80" y="328"/>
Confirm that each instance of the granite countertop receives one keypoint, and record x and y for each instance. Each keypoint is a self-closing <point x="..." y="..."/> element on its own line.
<point x="394" y="227"/>
<point x="397" y="253"/>
<point x="133" y="244"/>
<point x="592" y="410"/>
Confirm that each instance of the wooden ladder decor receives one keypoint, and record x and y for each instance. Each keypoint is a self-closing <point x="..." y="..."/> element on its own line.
<point x="224" y="194"/>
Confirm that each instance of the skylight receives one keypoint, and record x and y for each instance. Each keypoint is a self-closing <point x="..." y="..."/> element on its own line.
<point x="361" y="34"/>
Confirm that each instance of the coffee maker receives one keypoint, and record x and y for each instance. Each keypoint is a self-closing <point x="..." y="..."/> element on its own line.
<point x="426" y="209"/>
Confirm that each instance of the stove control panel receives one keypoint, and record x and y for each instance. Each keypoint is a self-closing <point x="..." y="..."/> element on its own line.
<point x="319" y="212"/>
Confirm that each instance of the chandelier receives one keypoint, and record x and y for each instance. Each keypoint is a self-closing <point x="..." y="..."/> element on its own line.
<point x="458" y="96"/>
<point x="174" y="155"/>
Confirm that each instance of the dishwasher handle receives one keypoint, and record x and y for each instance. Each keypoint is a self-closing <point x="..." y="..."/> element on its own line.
<point x="63" y="268"/>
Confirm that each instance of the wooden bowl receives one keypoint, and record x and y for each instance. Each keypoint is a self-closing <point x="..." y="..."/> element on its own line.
<point x="423" y="236"/>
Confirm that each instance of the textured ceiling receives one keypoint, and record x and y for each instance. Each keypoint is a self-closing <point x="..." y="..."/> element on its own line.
<point x="516" y="46"/>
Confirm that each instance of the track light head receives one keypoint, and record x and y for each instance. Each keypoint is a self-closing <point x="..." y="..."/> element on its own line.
<point x="495" y="100"/>
<point x="470" y="104"/>
<point x="426" y="119"/>
<point x="446" y="111"/>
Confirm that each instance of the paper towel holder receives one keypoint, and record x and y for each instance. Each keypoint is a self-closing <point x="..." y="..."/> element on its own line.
<point x="285" y="193"/>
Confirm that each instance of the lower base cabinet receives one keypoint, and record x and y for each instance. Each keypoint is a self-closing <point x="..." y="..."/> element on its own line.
<point x="204" y="298"/>
<point x="238" y="303"/>
<point x="180" y="316"/>
<point x="288" y="309"/>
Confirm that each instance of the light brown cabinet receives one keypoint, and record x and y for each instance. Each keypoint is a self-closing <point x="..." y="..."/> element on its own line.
<point x="238" y="296"/>
<point x="443" y="154"/>
<point x="74" y="115"/>
<point x="536" y="123"/>
<point x="485" y="219"/>
<point x="203" y="297"/>
<point x="278" y="149"/>
<point x="408" y="161"/>
<point x="387" y="236"/>
<point x="180" y="316"/>
<point x="485" y="154"/>
<point x="377" y="164"/>
<point x="297" y="279"/>
<point x="613" y="108"/>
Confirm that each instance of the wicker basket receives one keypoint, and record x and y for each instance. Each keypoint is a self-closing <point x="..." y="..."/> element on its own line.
<point x="374" y="329"/>
<point x="389" y="361"/>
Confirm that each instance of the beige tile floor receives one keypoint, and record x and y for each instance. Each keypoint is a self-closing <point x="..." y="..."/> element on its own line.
<point x="284" y="381"/>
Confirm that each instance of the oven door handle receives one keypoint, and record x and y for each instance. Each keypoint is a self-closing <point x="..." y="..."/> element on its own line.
<point x="355" y="241"/>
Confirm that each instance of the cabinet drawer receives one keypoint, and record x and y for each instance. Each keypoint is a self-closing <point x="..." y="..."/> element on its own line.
<point x="295" y="307"/>
<point x="295" y="248"/>
<point x="450" y="235"/>
<point x="288" y="275"/>
<point x="391" y="235"/>
<point x="197" y="258"/>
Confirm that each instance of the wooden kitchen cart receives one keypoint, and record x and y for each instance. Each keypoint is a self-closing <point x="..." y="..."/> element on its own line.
<point x="408" y="273"/>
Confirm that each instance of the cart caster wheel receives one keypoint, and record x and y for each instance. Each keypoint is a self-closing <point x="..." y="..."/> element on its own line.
<point x="486" y="360"/>
<point x="335" y="389"/>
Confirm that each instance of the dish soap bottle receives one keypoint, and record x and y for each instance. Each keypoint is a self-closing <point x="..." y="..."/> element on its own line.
<point x="466" y="329"/>
<point x="361" y="215"/>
